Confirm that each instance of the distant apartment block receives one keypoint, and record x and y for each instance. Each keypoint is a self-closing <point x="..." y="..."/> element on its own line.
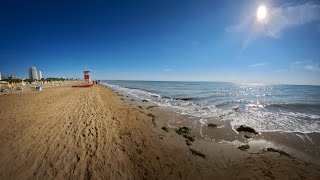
<point x="39" y="75"/>
<point x="34" y="74"/>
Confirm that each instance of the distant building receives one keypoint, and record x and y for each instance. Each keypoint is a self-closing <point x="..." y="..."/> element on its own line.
<point x="0" y="76"/>
<point x="12" y="77"/>
<point x="39" y="75"/>
<point x="33" y="73"/>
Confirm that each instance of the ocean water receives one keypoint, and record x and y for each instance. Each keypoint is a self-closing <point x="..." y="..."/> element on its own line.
<point x="287" y="108"/>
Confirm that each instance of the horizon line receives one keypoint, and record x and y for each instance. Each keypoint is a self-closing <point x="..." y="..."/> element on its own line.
<point x="212" y="82"/>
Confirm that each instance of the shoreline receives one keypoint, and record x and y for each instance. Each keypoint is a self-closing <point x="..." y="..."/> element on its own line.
<point x="264" y="111"/>
<point x="92" y="133"/>
<point x="305" y="146"/>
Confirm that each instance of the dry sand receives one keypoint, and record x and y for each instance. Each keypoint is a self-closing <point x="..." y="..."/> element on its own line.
<point x="91" y="133"/>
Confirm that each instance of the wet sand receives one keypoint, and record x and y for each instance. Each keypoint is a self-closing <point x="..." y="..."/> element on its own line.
<point x="92" y="133"/>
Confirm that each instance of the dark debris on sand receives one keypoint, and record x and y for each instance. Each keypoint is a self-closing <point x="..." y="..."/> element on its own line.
<point x="151" y="115"/>
<point x="150" y="107"/>
<point x="188" y="142"/>
<point x="198" y="153"/>
<point x="244" y="128"/>
<point x="184" y="99"/>
<point x="212" y="125"/>
<point x="185" y="132"/>
<point x="244" y="147"/>
<point x="165" y="129"/>
<point x="153" y="119"/>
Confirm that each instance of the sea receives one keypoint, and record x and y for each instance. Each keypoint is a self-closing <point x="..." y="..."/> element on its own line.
<point x="265" y="107"/>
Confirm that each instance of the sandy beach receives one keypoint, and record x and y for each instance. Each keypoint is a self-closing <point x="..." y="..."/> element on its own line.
<point x="95" y="133"/>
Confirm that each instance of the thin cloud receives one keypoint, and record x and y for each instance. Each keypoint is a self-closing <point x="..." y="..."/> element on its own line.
<point x="297" y="63"/>
<point x="279" y="19"/>
<point x="312" y="67"/>
<point x="307" y="65"/>
<point x="286" y="17"/>
<point x="245" y="44"/>
<point x="258" y="65"/>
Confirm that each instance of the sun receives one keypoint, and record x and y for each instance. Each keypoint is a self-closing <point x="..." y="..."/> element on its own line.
<point x="262" y="13"/>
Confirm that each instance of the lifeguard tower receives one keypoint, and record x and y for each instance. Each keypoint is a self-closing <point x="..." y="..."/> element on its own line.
<point x="86" y="74"/>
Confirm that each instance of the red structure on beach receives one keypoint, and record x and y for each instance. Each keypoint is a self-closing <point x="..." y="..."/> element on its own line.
<point x="86" y="75"/>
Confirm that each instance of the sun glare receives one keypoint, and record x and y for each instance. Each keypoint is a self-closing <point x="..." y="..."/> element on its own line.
<point x="262" y="13"/>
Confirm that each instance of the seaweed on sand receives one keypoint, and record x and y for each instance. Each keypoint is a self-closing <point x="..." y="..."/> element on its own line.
<point x="149" y="107"/>
<point x="188" y="142"/>
<point x="185" y="132"/>
<point x="198" y="153"/>
<point x="244" y="147"/>
<point x="153" y="119"/>
<point x="151" y="115"/>
<point x="189" y="137"/>
<point x="165" y="129"/>
<point x="244" y="128"/>
<point x="212" y="125"/>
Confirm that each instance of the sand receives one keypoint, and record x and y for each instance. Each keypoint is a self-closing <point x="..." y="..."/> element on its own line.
<point x="92" y="133"/>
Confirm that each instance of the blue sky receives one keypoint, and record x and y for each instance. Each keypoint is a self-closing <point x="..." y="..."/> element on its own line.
<point x="163" y="40"/>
